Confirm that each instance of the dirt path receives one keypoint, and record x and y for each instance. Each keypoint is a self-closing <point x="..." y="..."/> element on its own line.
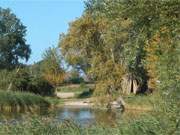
<point x="70" y="100"/>
<point x="78" y="102"/>
<point x="65" y="95"/>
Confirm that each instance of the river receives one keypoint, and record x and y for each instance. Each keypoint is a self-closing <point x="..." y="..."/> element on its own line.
<point x="82" y="116"/>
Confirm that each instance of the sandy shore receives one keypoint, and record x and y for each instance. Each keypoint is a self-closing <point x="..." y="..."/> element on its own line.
<point x="78" y="102"/>
<point x="65" y="95"/>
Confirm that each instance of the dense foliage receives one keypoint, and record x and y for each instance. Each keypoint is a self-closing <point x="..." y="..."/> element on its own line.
<point x="138" y="38"/>
<point x="114" y="38"/>
<point x="6" y="78"/>
<point x="24" y="81"/>
<point x="85" y="47"/>
<point x="73" y="77"/>
<point x="52" y="69"/>
<point x="13" y="46"/>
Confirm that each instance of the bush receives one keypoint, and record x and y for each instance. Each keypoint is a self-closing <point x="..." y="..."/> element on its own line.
<point x="38" y="85"/>
<point x="20" y="80"/>
<point x="24" y="81"/>
<point x="5" y="80"/>
<point x="75" y="80"/>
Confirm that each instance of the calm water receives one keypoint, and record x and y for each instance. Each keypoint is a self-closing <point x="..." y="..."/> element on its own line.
<point x="82" y="116"/>
<point x="87" y="116"/>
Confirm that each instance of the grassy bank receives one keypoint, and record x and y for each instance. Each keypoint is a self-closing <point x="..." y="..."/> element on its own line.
<point x="144" y="125"/>
<point x="146" y="102"/>
<point x="55" y="101"/>
<point x="133" y="102"/>
<point x="21" y="101"/>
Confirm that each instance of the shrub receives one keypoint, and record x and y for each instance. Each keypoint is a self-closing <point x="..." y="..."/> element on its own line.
<point x="20" y="80"/>
<point x="38" y="85"/>
<point x="24" y="81"/>
<point x="75" y="80"/>
<point x="5" y="80"/>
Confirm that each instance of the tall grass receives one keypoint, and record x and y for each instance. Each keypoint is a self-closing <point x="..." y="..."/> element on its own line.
<point x="21" y="101"/>
<point x="143" y="101"/>
<point x="145" y="125"/>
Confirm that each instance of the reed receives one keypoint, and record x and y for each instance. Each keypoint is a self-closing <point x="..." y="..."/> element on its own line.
<point x="21" y="101"/>
<point x="145" y="125"/>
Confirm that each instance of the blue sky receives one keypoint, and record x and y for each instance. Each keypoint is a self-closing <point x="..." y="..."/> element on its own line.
<point x="45" y="20"/>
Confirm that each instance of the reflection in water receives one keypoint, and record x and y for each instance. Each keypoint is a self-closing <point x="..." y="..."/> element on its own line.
<point x="109" y="117"/>
<point x="82" y="116"/>
<point x="13" y="117"/>
<point x="87" y="116"/>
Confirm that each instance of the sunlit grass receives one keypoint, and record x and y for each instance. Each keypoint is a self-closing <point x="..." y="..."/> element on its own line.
<point x="144" y="125"/>
<point x="54" y="101"/>
<point x="143" y="101"/>
<point x="18" y="101"/>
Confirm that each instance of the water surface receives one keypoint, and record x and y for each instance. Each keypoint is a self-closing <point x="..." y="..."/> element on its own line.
<point x="82" y="116"/>
<point x="87" y="116"/>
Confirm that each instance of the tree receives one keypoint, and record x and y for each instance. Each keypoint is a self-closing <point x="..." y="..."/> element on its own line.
<point x="123" y="37"/>
<point x="145" y="19"/>
<point x="52" y="69"/>
<point x="124" y="34"/>
<point x="152" y="50"/>
<point x="13" y="47"/>
<point x="92" y="47"/>
<point x="76" y="45"/>
<point x="73" y="76"/>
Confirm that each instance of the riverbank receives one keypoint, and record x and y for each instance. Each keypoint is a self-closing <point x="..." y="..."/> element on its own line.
<point x="143" y="122"/>
<point x="78" y="96"/>
<point x="143" y="125"/>
<point x="90" y="102"/>
<point x="21" y="101"/>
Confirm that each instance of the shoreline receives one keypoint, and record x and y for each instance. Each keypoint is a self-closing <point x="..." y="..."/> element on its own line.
<point x="87" y="103"/>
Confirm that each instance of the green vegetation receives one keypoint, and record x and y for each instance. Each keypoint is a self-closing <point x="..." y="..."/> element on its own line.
<point x="86" y="93"/>
<point x="72" y="88"/>
<point x="115" y="39"/>
<point x="74" y="77"/>
<point x="122" y="46"/>
<point x="80" y="91"/>
<point x="143" y="102"/>
<point x="51" y="66"/>
<point x="13" y="46"/>
<point x="23" y="80"/>
<point x="54" y="101"/>
<point x="136" y="41"/>
<point x="21" y="101"/>
<point x="6" y="78"/>
<point x="144" y="125"/>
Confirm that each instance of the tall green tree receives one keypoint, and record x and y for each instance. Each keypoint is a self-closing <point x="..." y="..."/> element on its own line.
<point x="13" y="46"/>
<point x="152" y="49"/>
<point x="114" y="36"/>
<point x="52" y="67"/>
<point x="92" y="47"/>
<point x="76" y="46"/>
<point x="145" y="18"/>
<point x="123" y="34"/>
